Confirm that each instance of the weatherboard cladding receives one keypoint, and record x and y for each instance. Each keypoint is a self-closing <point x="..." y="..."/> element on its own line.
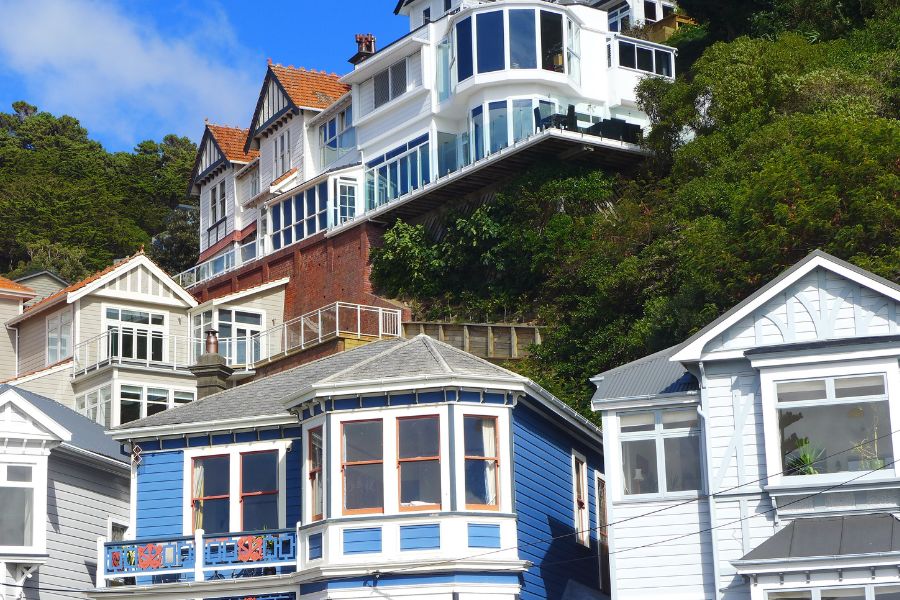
<point x="420" y="356"/>
<point x="648" y="376"/>
<point x="544" y="503"/>
<point x="160" y="490"/>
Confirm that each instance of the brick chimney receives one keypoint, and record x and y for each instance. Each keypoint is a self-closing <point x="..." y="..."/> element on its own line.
<point x="365" y="44"/>
<point x="211" y="370"/>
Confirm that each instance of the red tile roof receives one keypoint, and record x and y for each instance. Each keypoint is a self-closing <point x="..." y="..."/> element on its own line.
<point x="313" y="89"/>
<point x="285" y="176"/>
<point x="8" y="285"/>
<point x="12" y="380"/>
<point x="231" y="141"/>
<point x="234" y="236"/>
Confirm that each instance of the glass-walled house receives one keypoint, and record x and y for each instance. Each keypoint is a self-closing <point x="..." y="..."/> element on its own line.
<point x="400" y="465"/>
<point x="763" y="446"/>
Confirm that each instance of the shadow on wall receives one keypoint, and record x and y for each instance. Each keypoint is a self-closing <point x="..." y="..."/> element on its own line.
<point x="570" y="571"/>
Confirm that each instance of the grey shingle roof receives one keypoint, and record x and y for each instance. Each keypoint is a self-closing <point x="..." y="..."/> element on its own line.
<point x="831" y="536"/>
<point x="648" y="376"/>
<point x="86" y="434"/>
<point x="383" y="360"/>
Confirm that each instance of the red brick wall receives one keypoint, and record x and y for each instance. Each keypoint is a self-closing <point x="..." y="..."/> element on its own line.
<point x="321" y="271"/>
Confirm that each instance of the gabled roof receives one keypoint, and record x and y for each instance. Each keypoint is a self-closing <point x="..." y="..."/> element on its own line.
<point x="651" y="376"/>
<point x="83" y="433"/>
<point x="46" y="272"/>
<point x="91" y="282"/>
<point x="829" y="537"/>
<point x="17" y="289"/>
<point x="230" y="141"/>
<point x="692" y="348"/>
<point x="377" y="367"/>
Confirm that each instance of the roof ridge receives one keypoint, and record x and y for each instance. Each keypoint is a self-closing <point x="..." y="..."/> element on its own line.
<point x="388" y="350"/>
<point x="471" y="356"/>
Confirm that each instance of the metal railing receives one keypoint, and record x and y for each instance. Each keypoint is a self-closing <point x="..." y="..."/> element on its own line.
<point x="339" y="319"/>
<point x="223" y="263"/>
<point x="197" y="557"/>
<point x="132" y="346"/>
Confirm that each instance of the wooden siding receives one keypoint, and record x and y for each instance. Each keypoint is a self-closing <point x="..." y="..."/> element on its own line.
<point x="734" y="538"/>
<point x="43" y="285"/>
<point x="160" y="494"/>
<point x="407" y="115"/>
<point x="55" y="384"/>
<point x="33" y="341"/>
<point x="90" y="315"/>
<point x="80" y="499"/>
<point x="820" y="306"/>
<point x="294" y="484"/>
<point x="421" y="537"/>
<point x="365" y="540"/>
<point x="8" y="309"/>
<point x="681" y="568"/>
<point x="483" y="535"/>
<point x="544" y="503"/>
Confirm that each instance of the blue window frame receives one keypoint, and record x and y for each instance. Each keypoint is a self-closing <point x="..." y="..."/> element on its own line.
<point x="464" y="49"/>
<point x="491" y="41"/>
<point x="522" y="39"/>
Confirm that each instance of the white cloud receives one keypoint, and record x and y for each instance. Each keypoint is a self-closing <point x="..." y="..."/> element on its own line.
<point x="124" y="78"/>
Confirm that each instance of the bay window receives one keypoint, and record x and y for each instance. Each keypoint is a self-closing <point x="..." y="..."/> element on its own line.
<point x="482" y="462"/>
<point x="660" y="451"/>
<point x="134" y="402"/>
<point x="337" y="136"/>
<point x="522" y="39"/>
<point x="59" y="337"/>
<point x="259" y="490"/>
<point x="398" y="172"/>
<point x="362" y="465"/>
<point x="491" y="41"/>
<point x="820" y="419"/>
<point x="478" y="132"/>
<point x="551" y="41"/>
<point x="210" y="489"/>
<point x="315" y="459"/>
<point x="419" y="462"/>
<point x="464" y="62"/>
<point x="645" y="58"/>
<point x="300" y="216"/>
<point x="17" y="519"/>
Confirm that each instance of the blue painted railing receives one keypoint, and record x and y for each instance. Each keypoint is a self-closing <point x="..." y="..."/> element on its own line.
<point x="244" y="554"/>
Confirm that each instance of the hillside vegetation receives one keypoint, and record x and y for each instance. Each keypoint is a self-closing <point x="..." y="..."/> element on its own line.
<point x="69" y="205"/>
<point x="782" y="137"/>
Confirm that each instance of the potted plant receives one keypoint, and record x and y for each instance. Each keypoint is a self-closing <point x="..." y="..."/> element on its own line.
<point x="803" y="460"/>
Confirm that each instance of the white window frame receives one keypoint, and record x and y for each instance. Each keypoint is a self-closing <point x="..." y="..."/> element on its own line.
<point x="38" y="485"/>
<point x="581" y="514"/>
<point x="54" y="327"/>
<point x="234" y="451"/>
<point x="343" y="186"/>
<point x="659" y="435"/>
<point x="390" y="72"/>
<point x="282" y="153"/>
<point x="117" y="396"/>
<point x="150" y="328"/>
<point x="84" y="405"/>
<point x="256" y="329"/>
<point x="771" y="376"/>
<point x="307" y="512"/>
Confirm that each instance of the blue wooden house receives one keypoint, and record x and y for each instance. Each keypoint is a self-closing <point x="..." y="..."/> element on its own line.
<point x="402" y="468"/>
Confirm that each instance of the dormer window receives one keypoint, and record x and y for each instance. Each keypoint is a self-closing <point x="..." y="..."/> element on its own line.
<point x="834" y="425"/>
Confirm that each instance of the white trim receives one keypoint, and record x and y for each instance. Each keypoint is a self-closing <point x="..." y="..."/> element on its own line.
<point x="241" y="294"/>
<point x="65" y="365"/>
<point x="14" y="398"/>
<point x="824" y="355"/>
<point x="128" y="265"/>
<point x="694" y="350"/>
<point x="582" y="525"/>
<point x="240" y="423"/>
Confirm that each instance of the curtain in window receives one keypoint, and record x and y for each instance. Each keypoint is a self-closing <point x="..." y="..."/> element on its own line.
<point x="198" y="493"/>
<point x="489" y="438"/>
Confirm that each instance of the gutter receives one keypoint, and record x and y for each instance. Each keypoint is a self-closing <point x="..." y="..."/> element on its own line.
<point x="177" y="429"/>
<point x="101" y="460"/>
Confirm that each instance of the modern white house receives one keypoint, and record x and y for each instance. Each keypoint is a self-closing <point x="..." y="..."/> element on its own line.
<point x="756" y="459"/>
<point x="63" y="484"/>
<point x="475" y="92"/>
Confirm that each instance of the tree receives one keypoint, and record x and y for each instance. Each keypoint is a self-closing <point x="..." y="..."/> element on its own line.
<point x="175" y="249"/>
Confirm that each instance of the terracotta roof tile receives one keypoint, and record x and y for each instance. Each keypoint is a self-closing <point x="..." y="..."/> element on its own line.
<point x="283" y="177"/>
<point x="8" y="285"/>
<point x="231" y="140"/>
<point x="314" y="89"/>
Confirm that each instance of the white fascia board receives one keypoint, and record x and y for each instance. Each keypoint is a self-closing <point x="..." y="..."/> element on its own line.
<point x="140" y="433"/>
<point x="126" y="266"/>
<point x="61" y="366"/>
<point x="243" y="293"/>
<point x="243" y="170"/>
<point x="785" y="565"/>
<point x="381" y="60"/>
<point x="694" y="351"/>
<point x="42" y="308"/>
<point x="654" y="401"/>
<point x="823" y="355"/>
<point x="60" y="432"/>
<point x="394" y="384"/>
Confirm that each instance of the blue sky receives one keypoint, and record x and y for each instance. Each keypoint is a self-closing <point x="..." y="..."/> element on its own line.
<point x="137" y="70"/>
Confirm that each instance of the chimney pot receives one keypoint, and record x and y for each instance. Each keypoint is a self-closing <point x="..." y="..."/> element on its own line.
<point x="212" y="341"/>
<point x="365" y="44"/>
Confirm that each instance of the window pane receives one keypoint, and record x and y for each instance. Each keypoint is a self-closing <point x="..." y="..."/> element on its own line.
<point x="259" y="512"/>
<point x="480" y="436"/>
<point x="420" y="483"/>
<point x="363" y="486"/>
<point x="211" y="476"/>
<point x="18" y="473"/>
<point x="632" y="422"/>
<point x="499" y="125"/>
<point x="398" y="79"/>
<point x="481" y="482"/>
<point x="626" y="55"/>
<point x="663" y="63"/>
<point x="16" y="518"/>
<point x="789" y="595"/>
<point x="795" y="391"/>
<point x="645" y="59"/>
<point x="551" y="41"/>
<point x="888" y="592"/>
<point x="522" y="40"/>
<point x="419" y="437"/>
<point x="650" y="10"/>
<point x="844" y="594"/>
<point x="814" y="439"/>
<point x="464" y="49"/>
<point x="259" y="472"/>
<point x="491" y="41"/>
<point x="853" y="387"/>
<point x="682" y="455"/>
<point x="362" y="441"/>
<point x="248" y="318"/>
<point x="679" y="419"/>
<point x="523" y="119"/>
<point x="478" y="131"/>
<point x="212" y="516"/>
<point x="639" y="463"/>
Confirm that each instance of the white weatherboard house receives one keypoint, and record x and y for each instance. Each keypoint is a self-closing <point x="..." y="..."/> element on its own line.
<point x="63" y="484"/>
<point x="757" y="457"/>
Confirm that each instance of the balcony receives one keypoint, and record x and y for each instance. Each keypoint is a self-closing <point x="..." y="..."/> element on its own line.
<point x="221" y="556"/>
<point x="132" y="347"/>
<point x="218" y="265"/>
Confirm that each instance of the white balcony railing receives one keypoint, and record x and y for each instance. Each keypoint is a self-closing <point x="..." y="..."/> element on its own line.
<point x="223" y="263"/>
<point x="335" y="320"/>
<point x="132" y="347"/>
